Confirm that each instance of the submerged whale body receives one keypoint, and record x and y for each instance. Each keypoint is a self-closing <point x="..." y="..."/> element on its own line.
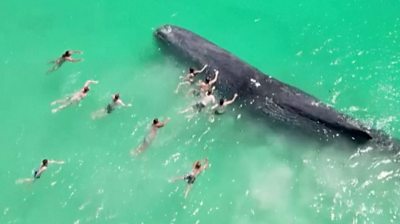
<point x="262" y="94"/>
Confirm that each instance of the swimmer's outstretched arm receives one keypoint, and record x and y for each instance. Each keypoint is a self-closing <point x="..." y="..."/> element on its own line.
<point x="88" y="82"/>
<point x="120" y="102"/>
<point x="76" y="51"/>
<point x="226" y="103"/>
<point x="205" y="164"/>
<point x="201" y="70"/>
<point x="215" y="78"/>
<point x="59" y="162"/>
<point x="73" y="60"/>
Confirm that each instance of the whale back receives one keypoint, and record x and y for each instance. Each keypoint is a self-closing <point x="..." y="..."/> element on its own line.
<point x="261" y="93"/>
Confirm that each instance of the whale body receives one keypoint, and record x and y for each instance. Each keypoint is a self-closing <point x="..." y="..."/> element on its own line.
<point x="263" y="95"/>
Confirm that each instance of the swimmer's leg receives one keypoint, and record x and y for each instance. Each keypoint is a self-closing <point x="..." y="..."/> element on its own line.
<point x="99" y="114"/>
<point x="189" y="109"/>
<point x="24" y="180"/>
<point x="172" y="180"/>
<point x="63" y="101"/>
<point x="146" y="142"/>
<point x="190" y="116"/>
<point x="181" y="84"/>
<point x="140" y="148"/>
<point x="63" y="106"/>
<point x="56" y="66"/>
<point x="187" y="190"/>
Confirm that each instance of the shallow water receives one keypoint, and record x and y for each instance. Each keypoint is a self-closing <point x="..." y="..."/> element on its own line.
<point x="345" y="53"/>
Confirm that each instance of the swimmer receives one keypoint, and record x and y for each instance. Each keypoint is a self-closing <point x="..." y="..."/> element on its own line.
<point x="38" y="173"/>
<point x="189" y="78"/>
<point x="116" y="101"/>
<point x="67" y="56"/>
<point x="219" y="108"/>
<point x="150" y="137"/>
<point x="190" y="178"/>
<point x="208" y="84"/>
<point x="74" y="98"/>
<point x="207" y="100"/>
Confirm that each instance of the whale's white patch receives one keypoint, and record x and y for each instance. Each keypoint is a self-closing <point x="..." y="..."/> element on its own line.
<point x="255" y="83"/>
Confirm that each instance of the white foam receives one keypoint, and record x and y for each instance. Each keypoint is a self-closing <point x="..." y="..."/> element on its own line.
<point x="384" y="174"/>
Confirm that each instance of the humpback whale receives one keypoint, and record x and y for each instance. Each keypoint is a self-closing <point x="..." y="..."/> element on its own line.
<point x="264" y="95"/>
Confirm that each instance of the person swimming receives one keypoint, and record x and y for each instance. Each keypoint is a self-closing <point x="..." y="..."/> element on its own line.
<point x="116" y="101"/>
<point x="190" y="178"/>
<point x="207" y="100"/>
<point x="219" y="108"/>
<point x="189" y="78"/>
<point x="66" y="56"/>
<point x="74" y="98"/>
<point x="156" y="124"/>
<point x="207" y="84"/>
<point x="38" y="172"/>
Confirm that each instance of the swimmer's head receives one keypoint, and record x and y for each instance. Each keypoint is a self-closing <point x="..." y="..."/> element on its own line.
<point x="116" y="96"/>
<point x="197" y="165"/>
<point x="86" y="89"/>
<point x="191" y="70"/>
<point x="207" y="80"/>
<point x="155" y="121"/>
<point x="45" y="162"/>
<point x="221" y="101"/>
<point x="66" y="54"/>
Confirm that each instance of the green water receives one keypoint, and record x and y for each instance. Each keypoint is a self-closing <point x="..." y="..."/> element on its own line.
<point x="346" y="53"/>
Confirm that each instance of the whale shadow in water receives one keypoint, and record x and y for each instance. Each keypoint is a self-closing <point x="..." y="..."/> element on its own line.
<point x="283" y="107"/>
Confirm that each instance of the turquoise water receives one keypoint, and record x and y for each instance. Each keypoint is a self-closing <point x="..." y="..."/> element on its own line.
<point x="345" y="53"/>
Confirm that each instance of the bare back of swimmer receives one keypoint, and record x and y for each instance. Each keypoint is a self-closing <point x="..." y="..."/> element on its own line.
<point x="74" y="98"/>
<point x="38" y="172"/>
<point x="150" y="136"/>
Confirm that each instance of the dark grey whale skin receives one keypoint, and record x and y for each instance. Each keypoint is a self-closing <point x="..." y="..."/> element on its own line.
<point x="264" y="96"/>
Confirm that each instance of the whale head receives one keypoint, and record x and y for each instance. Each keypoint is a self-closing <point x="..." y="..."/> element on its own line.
<point x="166" y="35"/>
<point x="183" y="43"/>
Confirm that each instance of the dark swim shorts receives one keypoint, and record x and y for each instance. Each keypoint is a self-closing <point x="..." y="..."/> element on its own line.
<point x="109" y="108"/>
<point x="199" y="107"/>
<point x="190" y="178"/>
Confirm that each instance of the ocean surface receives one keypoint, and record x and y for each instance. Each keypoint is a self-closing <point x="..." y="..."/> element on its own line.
<point x="346" y="53"/>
